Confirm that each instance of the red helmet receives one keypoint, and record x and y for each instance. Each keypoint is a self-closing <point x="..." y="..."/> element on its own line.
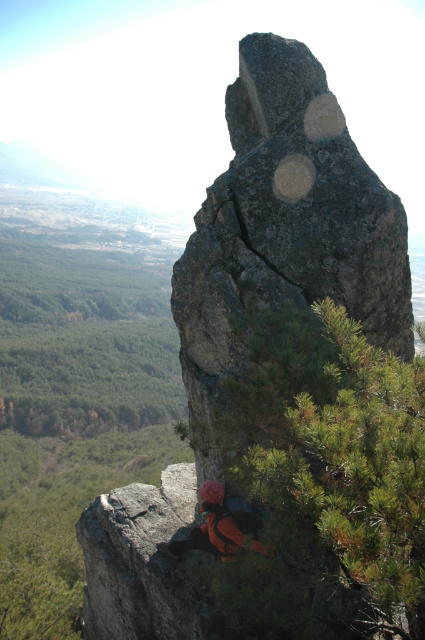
<point x="212" y="491"/>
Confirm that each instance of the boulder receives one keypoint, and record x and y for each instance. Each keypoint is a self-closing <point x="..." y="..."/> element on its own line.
<point x="299" y="214"/>
<point x="133" y="592"/>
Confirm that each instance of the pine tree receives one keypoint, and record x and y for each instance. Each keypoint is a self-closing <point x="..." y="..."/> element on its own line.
<point x="342" y="469"/>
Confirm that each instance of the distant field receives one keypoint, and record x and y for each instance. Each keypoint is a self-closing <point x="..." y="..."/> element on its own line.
<point x="81" y="218"/>
<point x="417" y="266"/>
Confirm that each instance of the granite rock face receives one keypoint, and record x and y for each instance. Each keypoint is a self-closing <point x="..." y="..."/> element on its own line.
<point x="299" y="214"/>
<point x="133" y="592"/>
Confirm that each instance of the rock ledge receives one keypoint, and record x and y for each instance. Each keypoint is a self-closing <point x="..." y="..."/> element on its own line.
<point x="132" y="591"/>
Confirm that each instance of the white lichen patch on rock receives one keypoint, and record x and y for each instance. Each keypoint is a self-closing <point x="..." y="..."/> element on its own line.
<point x="294" y="177"/>
<point x="324" y="118"/>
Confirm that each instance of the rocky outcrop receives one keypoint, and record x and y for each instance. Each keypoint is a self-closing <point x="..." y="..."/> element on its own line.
<point x="133" y="592"/>
<point x="298" y="214"/>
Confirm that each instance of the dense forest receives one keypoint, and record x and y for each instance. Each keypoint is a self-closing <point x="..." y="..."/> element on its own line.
<point x="48" y="285"/>
<point x="44" y="486"/>
<point x="87" y="341"/>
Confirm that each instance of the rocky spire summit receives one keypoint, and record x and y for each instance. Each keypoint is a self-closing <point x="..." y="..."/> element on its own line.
<point x="298" y="214"/>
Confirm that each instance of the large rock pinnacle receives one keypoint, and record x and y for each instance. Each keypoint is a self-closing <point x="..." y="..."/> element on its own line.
<point x="298" y="214"/>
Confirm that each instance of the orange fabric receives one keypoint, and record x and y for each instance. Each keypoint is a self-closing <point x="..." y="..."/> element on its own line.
<point x="228" y="527"/>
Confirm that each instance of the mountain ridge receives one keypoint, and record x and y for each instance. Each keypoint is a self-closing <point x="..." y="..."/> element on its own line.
<point x="24" y="161"/>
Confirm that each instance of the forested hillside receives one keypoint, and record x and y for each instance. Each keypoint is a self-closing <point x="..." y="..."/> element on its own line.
<point x="46" y="284"/>
<point x="44" y="486"/>
<point x="87" y="341"/>
<point x="90" y="385"/>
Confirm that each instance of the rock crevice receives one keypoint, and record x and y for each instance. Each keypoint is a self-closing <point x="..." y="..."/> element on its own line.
<point x="244" y="235"/>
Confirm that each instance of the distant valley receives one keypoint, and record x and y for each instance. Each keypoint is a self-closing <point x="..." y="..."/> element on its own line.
<point x="82" y="219"/>
<point x="90" y="380"/>
<point x="417" y="266"/>
<point x="40" y="195"/>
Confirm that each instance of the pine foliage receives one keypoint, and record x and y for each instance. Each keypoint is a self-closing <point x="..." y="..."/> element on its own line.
<point x="341" y="467"/>
<point x="45" y="486"/>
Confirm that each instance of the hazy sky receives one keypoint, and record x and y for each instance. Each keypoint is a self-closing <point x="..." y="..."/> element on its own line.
<point x="132" y="91"/>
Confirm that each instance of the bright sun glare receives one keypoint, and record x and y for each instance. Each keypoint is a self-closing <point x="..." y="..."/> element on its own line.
<point x="143" y="107"/>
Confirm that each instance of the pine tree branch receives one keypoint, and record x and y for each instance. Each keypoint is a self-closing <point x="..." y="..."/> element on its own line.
<point x="4" y="617"/>
<point x="384" y="626"/>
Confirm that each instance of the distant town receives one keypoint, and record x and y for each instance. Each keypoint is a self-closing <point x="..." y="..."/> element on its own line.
<point x="81" y="219"/>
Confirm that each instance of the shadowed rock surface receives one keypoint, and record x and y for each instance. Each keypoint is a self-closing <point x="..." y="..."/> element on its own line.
<point x="133" y="592"/>
<point x="298" y="214"/>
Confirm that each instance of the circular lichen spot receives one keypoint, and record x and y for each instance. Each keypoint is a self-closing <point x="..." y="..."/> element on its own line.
<point x="323" y="118"/>
<point x="293" y="178"/>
